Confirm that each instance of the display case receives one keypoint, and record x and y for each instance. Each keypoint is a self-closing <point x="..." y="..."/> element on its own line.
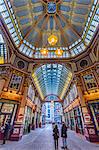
<point x="94" y="110"/>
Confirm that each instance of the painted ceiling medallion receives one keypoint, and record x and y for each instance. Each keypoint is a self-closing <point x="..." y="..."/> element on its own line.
<point x="52" y="40"/>
<point x="51" y="7"/>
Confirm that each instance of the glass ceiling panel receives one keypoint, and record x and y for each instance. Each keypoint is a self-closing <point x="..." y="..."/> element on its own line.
<point x="52" y="79"/>
<point x="20" y="29"/>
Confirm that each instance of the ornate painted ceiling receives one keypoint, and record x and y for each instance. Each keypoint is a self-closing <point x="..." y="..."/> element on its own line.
<point x="37" y="19"/>
<point x="31" y="22"/>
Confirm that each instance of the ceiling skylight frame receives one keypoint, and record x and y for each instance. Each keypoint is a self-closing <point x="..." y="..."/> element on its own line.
<point x="7" y="12"/>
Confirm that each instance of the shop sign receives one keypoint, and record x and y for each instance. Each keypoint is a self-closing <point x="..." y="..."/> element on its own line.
<point x="91" y="131"/>
<point x="20" y="117"/>
<point x="16" y="131"/>
<point x="7" y="95"/>
<point x="87" y="118"/>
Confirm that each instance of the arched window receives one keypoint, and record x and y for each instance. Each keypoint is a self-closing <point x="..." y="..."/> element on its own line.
<point x="3" y="51"/>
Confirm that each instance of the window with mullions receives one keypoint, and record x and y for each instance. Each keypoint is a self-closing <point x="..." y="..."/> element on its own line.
<point x="3" y="52"/>
<point x="10" y="20"/>
<point x="90" y="81"/>
<point x="15" y="82"/>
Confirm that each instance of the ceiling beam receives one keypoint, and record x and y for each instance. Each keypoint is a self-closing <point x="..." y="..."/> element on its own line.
<point x="43" y="2"/>
<point x="62" y="31"/>
<point x="71" y="27"/>
<point x="43" y="25"/>
<point x="33" y="26"/>
<point x="60" y="1"/>
<point x="69" y="24"/>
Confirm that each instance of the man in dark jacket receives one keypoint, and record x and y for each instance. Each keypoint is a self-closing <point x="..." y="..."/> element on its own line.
<point x="64" y="135"/>
<point x="56" y="136"/>
<point x="6" y="131"/>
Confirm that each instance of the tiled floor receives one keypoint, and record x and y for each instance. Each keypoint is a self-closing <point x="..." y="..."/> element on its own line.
<point x="42" y="139"/>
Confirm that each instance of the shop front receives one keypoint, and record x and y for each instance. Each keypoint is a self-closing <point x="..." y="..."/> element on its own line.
<point x="78" y="120"/>
<point x="72" y="121"/>
<point x="28" y="119"/>
<point x="8" y="110"/>
<point x="94" y="110"/>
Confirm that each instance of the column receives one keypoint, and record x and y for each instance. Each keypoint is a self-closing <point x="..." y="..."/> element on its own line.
<point x="11" y="60"/>
<point x="19" y="123"/>
<point x="2" y="83"/>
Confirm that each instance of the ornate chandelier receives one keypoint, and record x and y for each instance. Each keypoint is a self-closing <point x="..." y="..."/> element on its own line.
<point x="44" y="51"/>
<point x="52" y="40"/>
<point x="59" y="52"/>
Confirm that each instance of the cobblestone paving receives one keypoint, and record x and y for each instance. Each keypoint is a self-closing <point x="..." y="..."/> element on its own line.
<point x="42" y="139"/>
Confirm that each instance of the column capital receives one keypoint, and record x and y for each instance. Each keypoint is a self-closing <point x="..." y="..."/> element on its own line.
<point x="4" y="72"/>
<point x="27" y="82"/>
<point x="77" y="80"/>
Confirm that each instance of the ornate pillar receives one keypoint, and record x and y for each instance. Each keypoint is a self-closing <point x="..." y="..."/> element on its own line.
<point x="20" y="119"/>
<point x="2" y="83"/>
<point x="89" y="129"/>
<point x="11" y="60"/>
<point x="4" y="74"/>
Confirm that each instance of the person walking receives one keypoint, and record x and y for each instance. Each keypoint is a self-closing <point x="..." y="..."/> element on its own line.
<point x="64" y="135"/>
<point x="29" y="128"/>
<point x="6" y="132"/>
<point x="56" y="136"/>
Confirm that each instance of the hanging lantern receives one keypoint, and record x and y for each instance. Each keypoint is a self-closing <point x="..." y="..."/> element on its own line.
<point x="44" y="51"/>
<point x="59" y="52"/>
<point x="52" y="40"/>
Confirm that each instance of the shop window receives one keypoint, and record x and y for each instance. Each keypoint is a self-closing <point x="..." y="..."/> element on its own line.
<point x="28" y="118"/>
<point x="78" y="120"/>
<point x="7" y="108"/>
<point x="6" y="112"/>
<point x="15" y="82"/>
<point x="31" y="93"/>
<point x="94" y="108"/>
<point x="3" y="52"/>
<point x="90" y="81"/>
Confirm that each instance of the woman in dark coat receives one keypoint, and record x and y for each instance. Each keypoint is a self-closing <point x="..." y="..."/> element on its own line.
<point x="64" y="135"/>
<point x="56" y="136"/>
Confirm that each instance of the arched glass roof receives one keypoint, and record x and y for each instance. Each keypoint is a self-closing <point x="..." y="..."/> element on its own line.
<point x="30" y="23"/>
<point x="52" y="79"/>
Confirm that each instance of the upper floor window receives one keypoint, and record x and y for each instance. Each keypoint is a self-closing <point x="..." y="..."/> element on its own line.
<point x="90" y="81"/>
<point x="15" y="82"/>
<point x="3" y="52"/>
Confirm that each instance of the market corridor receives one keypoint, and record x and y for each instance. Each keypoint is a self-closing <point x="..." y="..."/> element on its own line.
<point x="41" y="139"/>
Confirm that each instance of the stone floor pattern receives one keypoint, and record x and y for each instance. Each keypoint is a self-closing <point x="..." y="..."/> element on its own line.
<point x="42" y="139"/>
